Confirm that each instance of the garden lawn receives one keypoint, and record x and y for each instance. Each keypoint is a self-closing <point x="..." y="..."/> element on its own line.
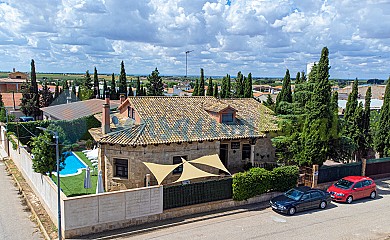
<point x="74" y="185"/>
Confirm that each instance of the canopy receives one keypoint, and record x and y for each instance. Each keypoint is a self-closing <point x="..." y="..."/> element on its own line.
<point x="161" y="171"/>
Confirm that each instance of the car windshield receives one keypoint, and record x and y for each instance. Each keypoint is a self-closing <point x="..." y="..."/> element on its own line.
<point x="344" y="184"/>
<point x="293" y="194"/>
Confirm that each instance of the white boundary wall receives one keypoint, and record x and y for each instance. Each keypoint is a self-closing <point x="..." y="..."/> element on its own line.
<point x="90" y="213"/>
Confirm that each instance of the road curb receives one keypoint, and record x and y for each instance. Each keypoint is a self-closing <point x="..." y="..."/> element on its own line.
<point x="20" y="189"/>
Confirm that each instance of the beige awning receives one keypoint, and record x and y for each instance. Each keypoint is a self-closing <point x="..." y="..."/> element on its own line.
<point x="191" y="172"/>
<point x="161" y="171"/>
<point x="211" y="160"/>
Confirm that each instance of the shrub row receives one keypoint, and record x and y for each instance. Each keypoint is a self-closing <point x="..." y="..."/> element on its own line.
<point x="74" y="129"/>
<point x="257" y="181"/>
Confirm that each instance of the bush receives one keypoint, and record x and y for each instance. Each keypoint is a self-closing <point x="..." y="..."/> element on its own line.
<point x="257" y="181"/>
<point x="284" y="178"/>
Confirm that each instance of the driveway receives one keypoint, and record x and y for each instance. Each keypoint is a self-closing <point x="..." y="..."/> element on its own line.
<point x="363" y="219"/>
<point x="15" y="221"/>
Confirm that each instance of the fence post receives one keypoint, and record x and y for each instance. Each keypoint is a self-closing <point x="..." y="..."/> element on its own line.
<point x="364" y="164"/>
<point x="315" y="176"/>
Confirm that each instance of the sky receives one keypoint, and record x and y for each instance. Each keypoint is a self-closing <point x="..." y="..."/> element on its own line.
<point x="264" y="37"/>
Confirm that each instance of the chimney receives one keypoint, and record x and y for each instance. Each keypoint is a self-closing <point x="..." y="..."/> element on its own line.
<point x="122" y="97"/>
<point x="106" y="115"/>
<point x="13" y="70"/>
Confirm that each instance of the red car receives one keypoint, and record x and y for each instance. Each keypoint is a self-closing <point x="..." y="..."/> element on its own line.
<point x="351" y="188"/>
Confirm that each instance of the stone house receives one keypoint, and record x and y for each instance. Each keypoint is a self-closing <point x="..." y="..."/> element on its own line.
<point x="165" y="129"/>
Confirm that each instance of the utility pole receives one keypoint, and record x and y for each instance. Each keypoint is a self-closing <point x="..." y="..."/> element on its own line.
<point x="187" y="52"/>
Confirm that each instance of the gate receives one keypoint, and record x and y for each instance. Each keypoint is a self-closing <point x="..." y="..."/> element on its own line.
<point x="305" y="176"/>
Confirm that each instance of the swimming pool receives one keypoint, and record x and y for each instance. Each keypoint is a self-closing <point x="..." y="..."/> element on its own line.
<point x="73" y="166"/>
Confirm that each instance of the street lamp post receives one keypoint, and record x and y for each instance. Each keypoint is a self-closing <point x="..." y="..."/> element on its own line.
<point x="55" y="133"/>
<point x="187" y="52"/>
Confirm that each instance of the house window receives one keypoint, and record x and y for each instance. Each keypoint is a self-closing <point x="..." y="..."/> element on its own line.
<point x="121" y="168"/>
<point x="227" y="117"/>
<point x="176" y="160"/>
<point x="235" y="145"/>
<point x="246" y="151"/>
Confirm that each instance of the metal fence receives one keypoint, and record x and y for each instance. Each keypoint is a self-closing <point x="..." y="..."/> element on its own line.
<point x="195" y="193"/>
<point x="335" y="172"/>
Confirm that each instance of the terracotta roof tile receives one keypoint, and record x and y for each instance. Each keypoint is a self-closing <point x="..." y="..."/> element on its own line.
<point x="183" y="119"/>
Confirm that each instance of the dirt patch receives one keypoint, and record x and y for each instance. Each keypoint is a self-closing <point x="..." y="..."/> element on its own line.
<point x="28" y="196"/>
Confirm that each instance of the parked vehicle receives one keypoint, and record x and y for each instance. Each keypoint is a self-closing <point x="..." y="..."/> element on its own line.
<point x="351" y="188"/>
<point x="300" y="199"/>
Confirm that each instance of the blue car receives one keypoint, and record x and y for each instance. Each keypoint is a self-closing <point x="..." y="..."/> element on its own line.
<point x="300" y="199"/>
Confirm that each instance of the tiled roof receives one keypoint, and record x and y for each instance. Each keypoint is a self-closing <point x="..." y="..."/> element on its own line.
<point x="76" y="110"/>
<point x="184" y="119"/>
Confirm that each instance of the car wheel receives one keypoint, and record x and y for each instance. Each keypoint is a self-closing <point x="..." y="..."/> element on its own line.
<point x="323" y="205"/>
<point x="349" y="199"/>
<point x="292" y="211"/>
<point x="373" y="195"/>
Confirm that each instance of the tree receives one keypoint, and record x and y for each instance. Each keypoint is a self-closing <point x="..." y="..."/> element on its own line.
<point x="319" y="127"/>
<point x="122" y="80"/>
<point x="366" y="122"/>
<point x="131" y="93"/>
<point x="2" y="110"/>
<point x="196" y="88"/>
<point x="313" y="73"/>
<point x="228" y="87"/>
<point x="87" y="82"/>
<point x="303" y="77"/>
<point x="210" y="91"/>
<point x="298" y="78"/>
<point x="65" y="85"/>
<point x="156" y="84"/>
<point x="352" y="103"/>
<point x="285" y="94"/>
<point x="239" y="85"/>
<point x="215" y="93"/>
<point x="382" y="137"/>
<point x="105" y="88"/>
<point x="224" y="87"/>
<point x="57" y="90"/>
<point x="30" y="98"/>
<point x="269" y="102"/>
<point x="46" y="96"/>
<point x="113" y="92"/>
<point x="74" y="88"/>
<point x="138" y="91"/>
<point x="34" y="84"/>
<point x="248" y="87"/>
<point x="96" y="91"/>
<point x="201" y="84"/>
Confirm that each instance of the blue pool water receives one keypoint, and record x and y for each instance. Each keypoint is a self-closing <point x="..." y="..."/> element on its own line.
<point x="72" y="165"/>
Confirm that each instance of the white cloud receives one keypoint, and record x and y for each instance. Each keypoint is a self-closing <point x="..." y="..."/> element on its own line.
<point x="263" y="37"/>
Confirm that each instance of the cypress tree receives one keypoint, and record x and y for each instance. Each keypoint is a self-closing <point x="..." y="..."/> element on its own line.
<point x="96" y="90"/>
<point x="34" y="84"/>
<point x="239" y="85"/>
<point x="215" y="92"/>
<point x="46" y="95"/>
<point x="138" y="89"/>
<point x="131" y="93"/>
<point x="303" y="77"/>
<point x="248" y="87"/>
<point x="352" y="103"/>
<point x="57" y="90"/>
<point x="229" y="87"/>
<point x="297" y="78"/>
<point x="313" y="74"/>
<point x="144" y="91"/>
<point x="382" y="138"/>
<point x="113" y="92"/>
<point x="87" y="80"/>
<point x="224" y="87"/>
<point x="3" y="114"/>
<point x="122" y="80"/>
<point x="210" y="91"/>
<point x="156" y="85"/>
<point x="201" y="84"/>
<point x="285" y="94"/>
<point x="74" y="88"/>
<point x="269" y="102"/>
<point x="316" y="134"/>
<point x="196" y="88"/>
<point x="105" y="88"/>
<point x="366" y="122"/>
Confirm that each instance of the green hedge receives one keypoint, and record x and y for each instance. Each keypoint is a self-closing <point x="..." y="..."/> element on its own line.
<point x="257" y="181"/>
<point x="74" y="129"/>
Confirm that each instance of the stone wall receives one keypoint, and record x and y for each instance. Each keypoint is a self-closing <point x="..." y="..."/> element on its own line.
<point x="163" y="154"/>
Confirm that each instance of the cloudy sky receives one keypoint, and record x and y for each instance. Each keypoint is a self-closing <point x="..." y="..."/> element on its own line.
<point x="264" y="37"/>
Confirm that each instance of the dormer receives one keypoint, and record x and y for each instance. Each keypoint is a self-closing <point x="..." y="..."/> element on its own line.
<point x="221" y="112"/>
<point x="127" y="110"/>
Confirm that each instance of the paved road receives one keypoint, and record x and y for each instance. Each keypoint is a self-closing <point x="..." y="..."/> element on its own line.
<point x="363" y="219"/>
<point x="14" y="220"/>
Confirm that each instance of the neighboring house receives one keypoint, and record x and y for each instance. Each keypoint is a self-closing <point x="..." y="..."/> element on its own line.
<point x="75" y="110"/>
<point x="375" y="104"/>
<point x="13" y="83"/>
<point x="165" y="129"/>
<point x="377" y="91"/>
<point x="174" y="91"/>
<point x="12" y="103"/>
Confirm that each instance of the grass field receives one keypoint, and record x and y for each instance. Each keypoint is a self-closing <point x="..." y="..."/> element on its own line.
<point x="74" y="185"/>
